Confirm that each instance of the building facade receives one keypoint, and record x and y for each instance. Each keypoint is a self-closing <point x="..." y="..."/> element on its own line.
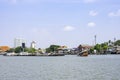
<point x="33" y="44"/>
<point x="18" y="42"/>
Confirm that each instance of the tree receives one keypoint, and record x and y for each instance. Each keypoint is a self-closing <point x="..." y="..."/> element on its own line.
<point x="91" y="50"/>
<point x="117" y="43"/>
<point x="52" y="48"/>
<point x="48" y="50"/>
<point x="104" y="47"/>
<point x="31" y="50"/>
<point x="18" y="49"/>
<point x="97" y="47"/>
<point x="10" y="50"/>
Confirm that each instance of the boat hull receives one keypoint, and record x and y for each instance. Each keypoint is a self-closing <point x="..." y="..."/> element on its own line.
<point x="83" y="53"/>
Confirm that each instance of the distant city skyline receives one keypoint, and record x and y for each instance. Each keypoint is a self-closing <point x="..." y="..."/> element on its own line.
<point x="61" y="22"/>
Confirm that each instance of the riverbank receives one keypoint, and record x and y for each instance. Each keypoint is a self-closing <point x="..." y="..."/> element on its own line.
<point x="31" y="54"/>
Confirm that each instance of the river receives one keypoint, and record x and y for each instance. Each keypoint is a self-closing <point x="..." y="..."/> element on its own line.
<point x="69" y="67"/>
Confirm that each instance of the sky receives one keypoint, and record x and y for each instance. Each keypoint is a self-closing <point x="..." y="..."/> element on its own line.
<point x="60" y="22"/>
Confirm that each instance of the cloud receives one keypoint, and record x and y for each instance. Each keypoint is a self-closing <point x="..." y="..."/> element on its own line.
<point x="112" y="14"/>
<point x="89" y="1"/>
<point x="68" y="28"/>
<point x="91" y="24"/>
<point x="93" y="13"/>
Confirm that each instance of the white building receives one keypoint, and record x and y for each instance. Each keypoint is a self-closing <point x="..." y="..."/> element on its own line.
<point x="18" y="42"/>
<point x="33" y="44"/>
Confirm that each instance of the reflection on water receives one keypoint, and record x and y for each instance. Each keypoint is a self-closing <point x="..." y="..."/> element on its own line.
<point x="70" y="67"/>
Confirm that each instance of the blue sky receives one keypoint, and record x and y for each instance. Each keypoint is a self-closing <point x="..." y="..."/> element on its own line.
<point x="62" y="22"/>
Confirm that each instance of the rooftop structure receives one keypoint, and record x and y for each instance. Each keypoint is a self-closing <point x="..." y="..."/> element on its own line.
<point x="4" y="48"/>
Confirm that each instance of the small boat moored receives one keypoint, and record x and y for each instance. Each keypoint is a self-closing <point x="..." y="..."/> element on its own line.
<point x="83" y="53"/>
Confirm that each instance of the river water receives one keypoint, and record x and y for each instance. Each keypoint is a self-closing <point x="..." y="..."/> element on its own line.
<point x="69" y="67"/>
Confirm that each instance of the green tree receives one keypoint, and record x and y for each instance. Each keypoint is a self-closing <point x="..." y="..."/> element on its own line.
<point x="31" y="50"/>
<point x="18" y="49"/>
<point x="104" y="47"/>
<point x="101" y="48"/>
<point x="97" y="47"/>
<point x="10" y="50"/>
<point x="91" y="50"/>
<point x="117" y="43"/>
<point x="48" y="50"/>
<point x="52" y="48"/>
<point x="26" y="49"/>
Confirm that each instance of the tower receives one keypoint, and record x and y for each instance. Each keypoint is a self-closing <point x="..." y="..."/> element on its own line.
<point x="33" y="44"/>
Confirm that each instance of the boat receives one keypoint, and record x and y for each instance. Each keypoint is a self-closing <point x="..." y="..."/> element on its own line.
<point x="83" y="53"/>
